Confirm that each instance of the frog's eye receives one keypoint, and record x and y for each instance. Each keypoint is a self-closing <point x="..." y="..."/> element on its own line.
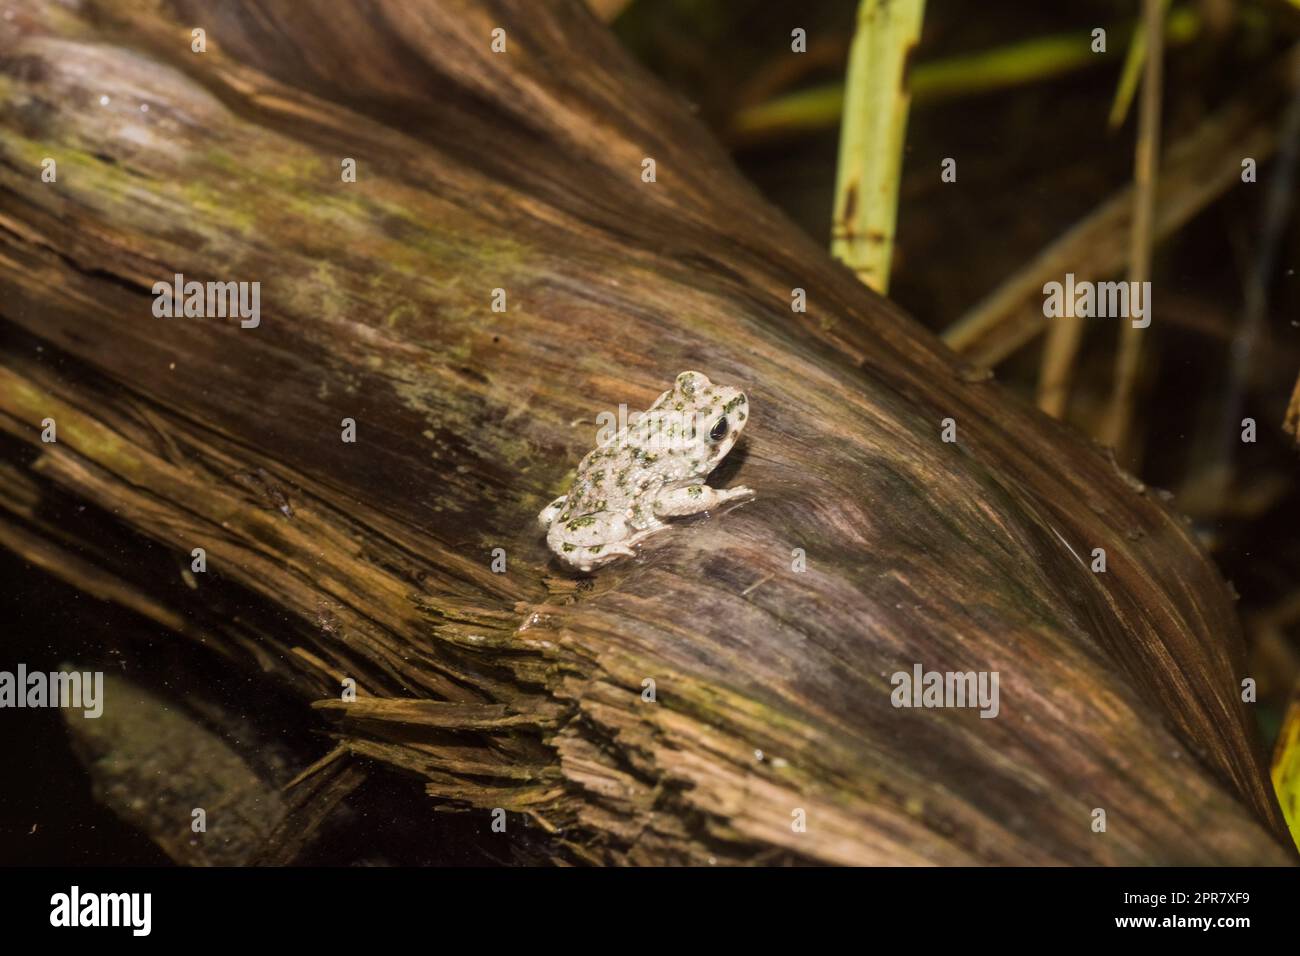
<point x="719" y="430"/>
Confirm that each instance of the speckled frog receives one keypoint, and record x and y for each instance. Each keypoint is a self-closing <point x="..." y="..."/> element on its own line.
<point x="652" y="469"/>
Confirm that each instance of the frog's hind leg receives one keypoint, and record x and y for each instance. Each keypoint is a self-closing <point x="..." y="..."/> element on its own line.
<point x="635" y="539"/>
<point x="548" y="513"/>
<point x="610" y="550"/>
<point x="694" y="498"/>
<point x="590" y="557"/>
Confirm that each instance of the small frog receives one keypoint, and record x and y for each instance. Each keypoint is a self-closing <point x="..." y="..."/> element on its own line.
<point x="652" y="469"/>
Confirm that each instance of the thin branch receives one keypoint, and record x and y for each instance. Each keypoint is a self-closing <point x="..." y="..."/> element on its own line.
<point x="1196" y="171"/>
<point x="1142" y="237"/>
<point x="1020" y="63"/>
<point x="1128" y="81"/>
<point x="1062" y="347"/>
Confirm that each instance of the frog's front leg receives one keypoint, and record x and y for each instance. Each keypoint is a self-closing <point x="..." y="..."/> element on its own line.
<point x="693" y="499"/>
<point x="548" y="513"/>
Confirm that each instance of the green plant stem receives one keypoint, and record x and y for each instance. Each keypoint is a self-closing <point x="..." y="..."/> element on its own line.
<point x="871" y="137"/>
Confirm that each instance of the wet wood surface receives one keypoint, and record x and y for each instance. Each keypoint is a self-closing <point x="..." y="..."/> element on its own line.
<point x="372" y="559"/>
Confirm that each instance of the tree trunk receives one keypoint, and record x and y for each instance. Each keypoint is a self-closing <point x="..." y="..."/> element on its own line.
<point x="372" y="560"/>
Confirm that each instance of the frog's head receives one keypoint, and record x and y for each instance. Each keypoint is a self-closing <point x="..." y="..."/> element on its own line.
<point x="719" y="414"/>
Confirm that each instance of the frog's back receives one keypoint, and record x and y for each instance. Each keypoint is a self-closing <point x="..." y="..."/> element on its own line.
<point x="602" y="482"/>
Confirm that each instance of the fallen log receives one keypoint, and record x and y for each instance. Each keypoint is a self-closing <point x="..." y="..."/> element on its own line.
<point x="769" y="634"/>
